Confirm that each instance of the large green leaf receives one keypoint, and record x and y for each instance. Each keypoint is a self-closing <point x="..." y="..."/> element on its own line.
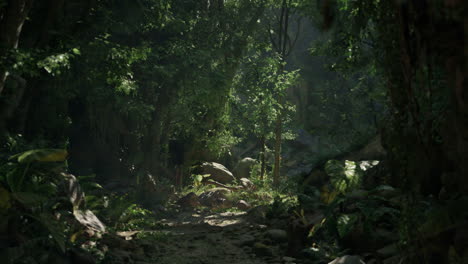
<point x="344" y="175"/>
<point x="41" y="155"/>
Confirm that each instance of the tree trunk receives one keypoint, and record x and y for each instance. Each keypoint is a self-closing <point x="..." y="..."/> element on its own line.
<point x="10" y="29"/>
<point x="283" y="48"/>
<point x="153" y="146"/>
<point x="153" y="139"/>
<point x="8" y="108"/>
<point x="262" y="158"/>
<point x="278" y="134"/>
<point x="165" y="136"/>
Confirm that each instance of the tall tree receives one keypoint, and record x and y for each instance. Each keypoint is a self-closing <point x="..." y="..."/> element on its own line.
<point x="283" y="42"/>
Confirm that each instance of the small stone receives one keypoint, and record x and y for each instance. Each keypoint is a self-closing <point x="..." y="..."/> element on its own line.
<point x="277" y="235"/>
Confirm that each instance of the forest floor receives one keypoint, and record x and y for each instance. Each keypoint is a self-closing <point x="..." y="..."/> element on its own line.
<point x="204" y="237"/>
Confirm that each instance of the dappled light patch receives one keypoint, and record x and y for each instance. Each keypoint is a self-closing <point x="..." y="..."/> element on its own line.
<point x="225" y="219"/>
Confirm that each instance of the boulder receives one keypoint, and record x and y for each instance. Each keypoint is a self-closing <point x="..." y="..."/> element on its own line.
<point x="347" y="260"/>
<point x="244" y="167"/>
<point x="247" y="184"/>
<point x="215" y="198"/>
<point x="217" y="172"/>
<point x="189" y="200"/>
<point x="258" y="214"/>
<point x="243" y="205"/>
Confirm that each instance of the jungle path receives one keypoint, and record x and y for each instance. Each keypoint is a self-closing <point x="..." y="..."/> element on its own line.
<point x="211" y="238"/>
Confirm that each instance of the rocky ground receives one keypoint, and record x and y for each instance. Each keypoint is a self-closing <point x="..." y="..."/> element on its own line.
<point x="198" y="237"/>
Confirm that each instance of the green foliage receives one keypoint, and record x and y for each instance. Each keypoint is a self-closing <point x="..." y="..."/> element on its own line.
<point x="136" y="72"/>
<point x="31" y="204"/>
<point x="198" y="178"/>
<point x="345" y="223"/>
<point x="88" y="183"/>
<point x="121" y="213"/>
<point x="281" y="206"/>
<point x="344" y="175"/>
<point x="135" y="218"/>
<point x="54" y="64"/>
<point x="258" y="89"/>
<point x="367" y="214"/>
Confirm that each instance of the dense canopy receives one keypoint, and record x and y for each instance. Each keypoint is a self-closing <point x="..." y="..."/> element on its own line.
<point x="233" y="131"/>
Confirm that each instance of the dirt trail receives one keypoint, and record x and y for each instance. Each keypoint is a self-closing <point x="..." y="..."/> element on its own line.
<point x="196" y="238"/>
